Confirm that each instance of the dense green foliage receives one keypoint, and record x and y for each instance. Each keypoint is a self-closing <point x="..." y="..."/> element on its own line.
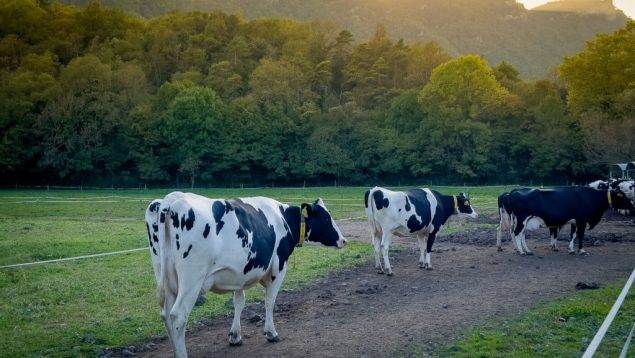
<point x="500" y="30"/>
<point x="95" y="96"/>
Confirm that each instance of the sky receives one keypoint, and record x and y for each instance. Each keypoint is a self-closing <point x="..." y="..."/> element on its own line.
<point x="627" y="6"/>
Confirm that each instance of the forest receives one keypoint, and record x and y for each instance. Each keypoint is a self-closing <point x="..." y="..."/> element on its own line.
<point x="533" y="41"/>
<point x="97" y="96"/>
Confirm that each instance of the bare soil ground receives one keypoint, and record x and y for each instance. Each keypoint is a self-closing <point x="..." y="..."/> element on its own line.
<point x="358" y="313"/>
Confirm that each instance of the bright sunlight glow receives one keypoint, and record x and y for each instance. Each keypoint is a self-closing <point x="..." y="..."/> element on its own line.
<point x="627" y="6"/>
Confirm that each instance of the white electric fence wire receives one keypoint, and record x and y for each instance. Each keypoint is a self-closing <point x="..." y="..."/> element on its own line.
<point x="103" y="254"/>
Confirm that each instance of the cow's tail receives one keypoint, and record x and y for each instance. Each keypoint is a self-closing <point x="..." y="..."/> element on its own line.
<point x="152" y="225"/>
<point x="164" y="254"/>
<point x="370" y="211"/>
<point x="504" y="221"/>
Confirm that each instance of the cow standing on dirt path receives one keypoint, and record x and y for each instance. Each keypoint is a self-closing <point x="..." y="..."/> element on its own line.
<point x="554" y="208"/>
<point x="416" y="213"/>
<point x="199" y="244"/>
<point x="506" y="224"/>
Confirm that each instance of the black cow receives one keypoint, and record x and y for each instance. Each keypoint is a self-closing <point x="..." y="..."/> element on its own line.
<point x="506" y="222"/>
<point x="416" y="213"/>
<point x="554" y="208"/>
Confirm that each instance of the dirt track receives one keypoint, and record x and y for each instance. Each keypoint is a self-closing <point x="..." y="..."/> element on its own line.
<point x="358" y="313"/>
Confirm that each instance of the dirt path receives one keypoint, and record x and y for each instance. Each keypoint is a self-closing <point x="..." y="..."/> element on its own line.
<point x="358" y="313"/>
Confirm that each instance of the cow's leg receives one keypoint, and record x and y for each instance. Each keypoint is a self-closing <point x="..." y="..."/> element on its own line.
<point x="428" y="258"/>
<point x="188" y="291"/>
<point x="553" y="236"/>
<point x="270" y="302"/>
<point x="525" y="247"/>
<point x="422" y="241"/>
<point x="523" y="242"/>
<point x="234" y="333"/>
<point x="572" y="240"/>
<point x="385" y="245"/>
<point x="166" y="300"/>
<point x="581" y="227"/>
<point x="519" y="235"/>
<point x="499" y="230"/>
<point x="377" y="247"/>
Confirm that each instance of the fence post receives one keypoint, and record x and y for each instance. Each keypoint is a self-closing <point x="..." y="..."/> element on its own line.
<point x="593" y="346"/>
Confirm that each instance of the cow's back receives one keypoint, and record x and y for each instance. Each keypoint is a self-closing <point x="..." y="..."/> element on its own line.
<point x="559" y="205"/>
<point x="402" y="213"/>
<point x="232" y="241"/>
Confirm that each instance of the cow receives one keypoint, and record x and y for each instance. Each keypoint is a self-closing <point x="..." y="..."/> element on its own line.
<point x="600" y="185"/>
<point x="627" y="186"/>
<point x="416" y="213"/>
<point x="506" y="221"/>
<point x="554" y="208"/>
<point x="199" y="244"/>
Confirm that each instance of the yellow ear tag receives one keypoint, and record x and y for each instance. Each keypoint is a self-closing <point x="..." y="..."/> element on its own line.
<point x="303" y="215"/>
<point x="466" y="203"/>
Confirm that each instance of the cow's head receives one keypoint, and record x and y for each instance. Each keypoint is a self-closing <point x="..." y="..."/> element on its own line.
<point x="619" y="200"/>
<point x="464" y="206"/>
<point x="628" y="187"/>
<point x="320" y="227"/>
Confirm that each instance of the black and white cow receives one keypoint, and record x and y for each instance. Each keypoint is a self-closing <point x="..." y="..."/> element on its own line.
<point x="505" y="210"/>
<point x="416" y="213"/>
<point x="627" y="186"/>
<point x="600" y="185"/>
<point x="199" y="244"/>
<point x="554" y="208"/>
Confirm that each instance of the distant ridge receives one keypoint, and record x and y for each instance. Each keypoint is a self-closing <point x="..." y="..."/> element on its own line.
<point x="597" y="7"/>
<point x="534" y="41"/>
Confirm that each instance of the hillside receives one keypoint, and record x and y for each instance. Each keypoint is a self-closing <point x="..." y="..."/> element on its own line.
<point x="604" y="7"/>
<point x="500" y="30"/>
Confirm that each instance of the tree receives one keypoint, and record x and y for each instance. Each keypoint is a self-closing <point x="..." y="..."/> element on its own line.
<point x="339" y="58"/>
<point x="192" y="128"/>
<point x="597" y="76"/>
<point x="422" y="60"/>
<point x="460" y="101"/>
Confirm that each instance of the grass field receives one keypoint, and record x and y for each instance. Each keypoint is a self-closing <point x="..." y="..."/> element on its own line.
<point x="82" y="307"/>
<point x="552" y="330"/>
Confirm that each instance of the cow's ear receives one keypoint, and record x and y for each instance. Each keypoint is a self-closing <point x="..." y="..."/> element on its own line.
<point x="306" y="210"/>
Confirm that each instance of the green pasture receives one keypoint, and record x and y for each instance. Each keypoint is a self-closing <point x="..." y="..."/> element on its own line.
<point x="83" y="307"/>
<point x="563" y="328"/>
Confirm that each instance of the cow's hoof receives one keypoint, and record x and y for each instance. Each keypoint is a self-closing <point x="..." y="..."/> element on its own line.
<point x="235" y="340"/>
<point x="429" y="268"/>
<point x="522" y="253"/>
<point x="389" y="273"/>
<point x="554" y="249"/>
<point x="380" y="272"/>
<point x="271" y="338"/>
<point x="571" y="252"/>
<point x="584" y="253"/>
<point x="499" y="249"/>
<point x="529" y="253"/>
